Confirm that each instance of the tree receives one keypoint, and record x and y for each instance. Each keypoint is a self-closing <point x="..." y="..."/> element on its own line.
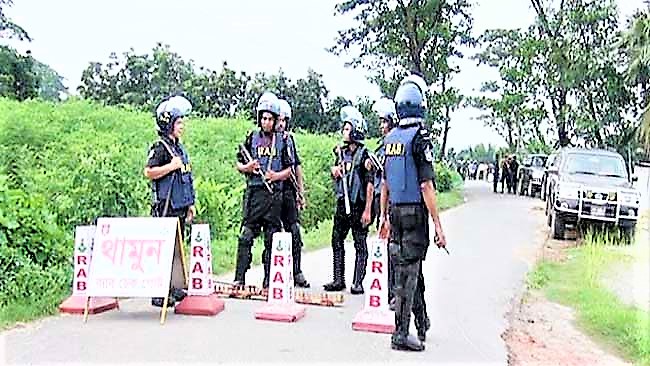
<point x="142" y="80"/>
<point x="634" y="44"/>
<point x="17" y="75"/>
<point x="9" y="29"/>
<point x="51" y="86"/>
<point x="563" y="68"/>
<point x="515" y="111"/>
<point x="392" y="38"/>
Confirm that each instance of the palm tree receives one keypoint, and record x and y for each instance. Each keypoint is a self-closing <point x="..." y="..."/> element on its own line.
<point x="635" y="43"/>
<point x="644" y="129"/>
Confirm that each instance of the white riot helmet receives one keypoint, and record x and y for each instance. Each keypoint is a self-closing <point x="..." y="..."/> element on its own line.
<point x="268" y="102"/>
<point x="350" y="114"/>
<point x="285" y="112"/>
<point x="168" y="111"/>
<point x="385" y="108"/>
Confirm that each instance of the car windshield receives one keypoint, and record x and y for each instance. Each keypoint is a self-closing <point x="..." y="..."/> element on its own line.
<point x="603" y="165"/>
<point x="538" y="161"/>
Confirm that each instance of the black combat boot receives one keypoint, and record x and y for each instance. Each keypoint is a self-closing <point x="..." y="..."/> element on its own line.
<point x="300" y="281"/>
<point x="267" y="272"/>
<point x="359" y="275"/>
<point x="241" y="267"/>
<point x="422" y="328"/>
<point x="405" y="284"/>
<point x="391" y="303"/>
<point x="360" y="263"/>
<point x="298" y="277"/>
<point x="339" y="273"/>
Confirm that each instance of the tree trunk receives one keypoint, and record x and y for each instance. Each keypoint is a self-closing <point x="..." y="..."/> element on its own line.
<point x="596" y="130"/>
<point x="510" y="141"/>
<point x="445" y="132"/>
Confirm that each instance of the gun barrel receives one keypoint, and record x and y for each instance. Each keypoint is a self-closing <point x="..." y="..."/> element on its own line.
<point x="345" y="183"/>
<point x="259" y="172"/>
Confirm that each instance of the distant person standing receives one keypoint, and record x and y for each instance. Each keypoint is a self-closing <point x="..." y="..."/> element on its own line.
<point x="495" y="178"/>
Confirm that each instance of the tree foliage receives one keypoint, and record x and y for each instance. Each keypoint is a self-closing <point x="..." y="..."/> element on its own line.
<point x="391" y="38"/>
<point x="560" y="78"/>
<point x="142" y="80"/>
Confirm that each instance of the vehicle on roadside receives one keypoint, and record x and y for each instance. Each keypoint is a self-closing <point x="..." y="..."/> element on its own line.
<point x="591" y="186"/>
<point x="550" y="162"/>
<point x="530" y="174"/>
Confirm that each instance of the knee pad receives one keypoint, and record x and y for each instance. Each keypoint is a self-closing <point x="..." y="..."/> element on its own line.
<point x="246" y="236"/>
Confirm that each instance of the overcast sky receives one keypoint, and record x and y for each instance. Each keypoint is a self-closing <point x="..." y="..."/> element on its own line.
<point x="70" y="33"/>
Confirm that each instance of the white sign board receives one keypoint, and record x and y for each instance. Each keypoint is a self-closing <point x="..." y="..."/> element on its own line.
<point x="377" y="295"/>
<point x="83" y="245"/>
<point x="132" y="257"/>
<point x="281" y="274"/>
<point x="200" y="261"/>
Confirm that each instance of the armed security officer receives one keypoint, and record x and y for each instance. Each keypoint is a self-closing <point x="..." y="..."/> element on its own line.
<point x="408" y="184"/>
<point x="293" y="195"/>
<point x="385" y="109"/>
<point x="169" y="169"/>
<point x="354" y="193"/>
<point x="265" y="160"/>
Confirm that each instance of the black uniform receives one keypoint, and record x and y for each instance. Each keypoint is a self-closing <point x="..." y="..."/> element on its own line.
<point x="173" y="192"/>
<point x="290" y="219"/>
<point x="408" y="164"/>
<point x="495" y="176"/>
<point x="262" y="208"/>
<point x="358" y="178"/>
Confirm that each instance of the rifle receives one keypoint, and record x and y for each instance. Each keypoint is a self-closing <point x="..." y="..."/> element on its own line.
<point x="376" y="163"/>
<point x="294" y="182"/>
<point x="249" y="158"/>
<point x="345" y="182"/>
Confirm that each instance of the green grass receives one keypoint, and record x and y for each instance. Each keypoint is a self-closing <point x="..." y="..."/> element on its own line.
<point x="600" y="313"/>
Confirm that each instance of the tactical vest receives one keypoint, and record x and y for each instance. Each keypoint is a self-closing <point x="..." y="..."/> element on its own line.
<point x="181" y="182"/>
<point x="380" y="153"/>
<point x="352" y="164"/>
<point x="268" y="155"/>
<point x="401" y="172"/>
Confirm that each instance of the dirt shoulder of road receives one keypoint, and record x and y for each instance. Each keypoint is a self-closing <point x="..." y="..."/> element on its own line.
<point x="542" y="332"/>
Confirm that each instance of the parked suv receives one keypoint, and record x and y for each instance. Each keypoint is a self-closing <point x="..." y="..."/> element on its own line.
<point x="591" y="186"/>
<point x="530" y="174"/>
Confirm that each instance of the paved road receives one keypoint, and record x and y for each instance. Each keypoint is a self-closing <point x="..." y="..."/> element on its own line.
<point x="491" y="238"/>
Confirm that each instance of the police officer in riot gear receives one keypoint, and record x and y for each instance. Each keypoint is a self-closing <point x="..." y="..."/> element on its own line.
<point x="293" y="195"/>
<point x="354" y="194"/>
<point x="409" y="187"/>
<point x="385" y="109"/>
<point x="265" y="161"/>
<point x="169" y="169"/>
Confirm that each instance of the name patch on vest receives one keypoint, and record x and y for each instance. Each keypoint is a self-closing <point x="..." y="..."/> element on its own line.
<point x="266" y="151"/>
<point x="186" y="168"/>
<point x="348" y="166"/>
<point x="395" y="149"/>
